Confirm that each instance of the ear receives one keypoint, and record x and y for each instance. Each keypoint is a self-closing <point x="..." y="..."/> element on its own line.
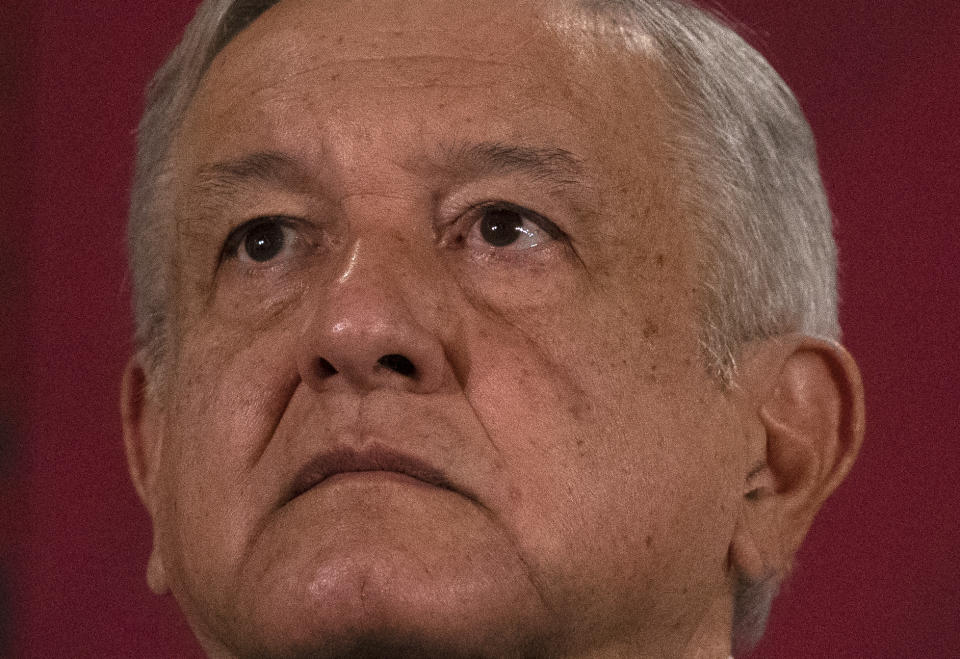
<point x="804" y="415"/>
<point x="142" y="438"/>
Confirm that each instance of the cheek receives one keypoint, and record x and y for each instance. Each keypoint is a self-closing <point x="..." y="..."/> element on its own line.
<point x="608" y="426"/>
<point x="230" y="394"/>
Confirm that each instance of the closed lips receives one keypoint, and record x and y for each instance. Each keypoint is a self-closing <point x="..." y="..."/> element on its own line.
<point x="374" y="458"/>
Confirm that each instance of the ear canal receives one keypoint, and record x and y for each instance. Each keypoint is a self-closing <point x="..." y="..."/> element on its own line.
<point x="760" y="484"/>
<point x="156" y="573"/>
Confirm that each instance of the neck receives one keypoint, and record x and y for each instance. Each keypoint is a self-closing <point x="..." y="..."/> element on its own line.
<point x="711" y="637"/>
<point x="706" y="635"/>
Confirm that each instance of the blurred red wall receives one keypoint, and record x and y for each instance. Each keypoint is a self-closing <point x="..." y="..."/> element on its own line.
<point x="880" y="81"/>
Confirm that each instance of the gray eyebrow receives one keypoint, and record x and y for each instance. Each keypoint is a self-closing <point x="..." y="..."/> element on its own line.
<point x="222" y="180"/>
<point x="552" y="164"/>
<point x="270" y="167"/>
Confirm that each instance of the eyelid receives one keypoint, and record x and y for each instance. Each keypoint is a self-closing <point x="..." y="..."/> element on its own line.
<point x="552" y="229"/>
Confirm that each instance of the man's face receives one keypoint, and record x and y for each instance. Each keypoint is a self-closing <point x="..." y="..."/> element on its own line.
<point x="435" y="380"/>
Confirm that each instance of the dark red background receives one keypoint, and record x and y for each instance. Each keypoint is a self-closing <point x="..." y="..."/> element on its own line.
<point x="880" y="82"/>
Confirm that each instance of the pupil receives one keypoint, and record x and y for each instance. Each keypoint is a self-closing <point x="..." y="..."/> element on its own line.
<point x="264" y="242"/>
<point x="501" y="226"/>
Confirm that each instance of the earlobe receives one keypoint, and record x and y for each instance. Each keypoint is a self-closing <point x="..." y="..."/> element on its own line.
<point x="806" y="408"/>
<point x="142" y="437"/>
<point x="156" y="574"/>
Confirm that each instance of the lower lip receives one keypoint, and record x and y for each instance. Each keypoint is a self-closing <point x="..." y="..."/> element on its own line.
<point x="374" y="477"/>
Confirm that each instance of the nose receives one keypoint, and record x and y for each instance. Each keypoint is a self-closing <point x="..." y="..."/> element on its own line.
<point x="363" y="332"/>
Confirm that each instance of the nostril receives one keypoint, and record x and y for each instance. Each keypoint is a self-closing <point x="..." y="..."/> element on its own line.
<point x="323" y="368"/>
<point x="398" y="364"/>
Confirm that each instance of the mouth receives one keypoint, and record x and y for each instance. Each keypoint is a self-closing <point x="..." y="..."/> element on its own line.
<point x="375" y="458"/>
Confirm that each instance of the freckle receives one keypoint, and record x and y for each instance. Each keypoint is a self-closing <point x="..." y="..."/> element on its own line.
<point x="340" y="39"/>
<point x="660" y="260"/>
<point x="579" y="409"/>
<point x="650" y="329"/>
<point x="334" y="77"/>
<point x="648" y="540"/>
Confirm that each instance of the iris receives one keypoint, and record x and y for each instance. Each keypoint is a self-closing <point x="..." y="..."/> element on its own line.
<point x="264" y="242"/>
<point x="501" y="226"/>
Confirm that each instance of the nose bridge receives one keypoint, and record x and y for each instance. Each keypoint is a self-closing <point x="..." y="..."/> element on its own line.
<point x="385" y="255"/>
<point x="393" y="240"/>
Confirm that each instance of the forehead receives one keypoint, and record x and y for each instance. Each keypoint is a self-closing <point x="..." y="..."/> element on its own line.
<point x="533" y="72"/>
<point x="365" y="36"/>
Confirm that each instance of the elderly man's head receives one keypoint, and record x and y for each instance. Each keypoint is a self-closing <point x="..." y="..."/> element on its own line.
<point x="482" y="328"/>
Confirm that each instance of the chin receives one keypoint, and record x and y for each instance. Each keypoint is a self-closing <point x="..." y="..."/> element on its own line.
<point x="371" y="635"/>
<point x="382" y="645"/>
<point x="377" y="608"/>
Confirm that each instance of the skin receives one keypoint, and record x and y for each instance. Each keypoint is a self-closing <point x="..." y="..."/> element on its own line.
<point x="594" y="474"/>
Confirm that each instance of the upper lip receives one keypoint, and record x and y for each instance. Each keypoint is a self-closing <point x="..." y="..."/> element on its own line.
<point x="374" y="457"/>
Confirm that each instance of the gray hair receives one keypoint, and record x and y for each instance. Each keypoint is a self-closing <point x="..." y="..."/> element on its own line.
<point x="169" y="95"/>
<point x="766" y="255"/>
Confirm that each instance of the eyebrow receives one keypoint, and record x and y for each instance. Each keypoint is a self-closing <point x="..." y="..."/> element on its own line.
<point x="543" y="163"/>
<point x="221" y="181"/>
<point x="225" y="178"/>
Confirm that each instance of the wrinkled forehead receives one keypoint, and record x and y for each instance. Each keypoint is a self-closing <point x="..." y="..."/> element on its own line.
<point x="399" y="27"/>
<point x="552" y="53"/>
<point x="500" y="29"/>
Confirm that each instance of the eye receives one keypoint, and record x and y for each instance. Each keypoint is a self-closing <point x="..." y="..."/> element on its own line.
<point x="504" y="225"/>
<point x="260" y="240"/>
